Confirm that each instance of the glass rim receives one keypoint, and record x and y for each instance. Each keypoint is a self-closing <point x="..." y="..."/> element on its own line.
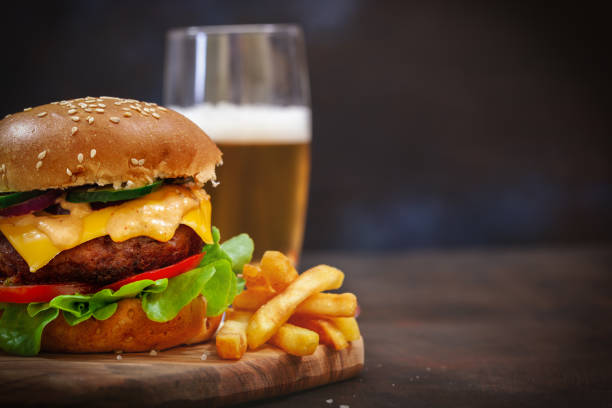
<point x="190" y="31"/>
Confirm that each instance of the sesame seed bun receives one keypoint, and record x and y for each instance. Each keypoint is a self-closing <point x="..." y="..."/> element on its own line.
<point x="130" y="330"/>
<point x="101" y="141"/>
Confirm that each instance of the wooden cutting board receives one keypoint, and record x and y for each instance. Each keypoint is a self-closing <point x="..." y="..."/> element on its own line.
<point x="176" y="377"/>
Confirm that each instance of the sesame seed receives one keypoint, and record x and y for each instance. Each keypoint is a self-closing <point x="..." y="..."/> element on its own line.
<point x="119" y="357"/>
<point x="75" y="118"/>
<point x="152" y="353"/>
<point x="42" y="155"/>
<point x="72" y="111"/>
<point x="93" y="105"/>
<point x="92" y="153"/>
<point x="134" y="107"/>
<point x="141" y="162"/>
<point x="127" y="114"/>
<point x="99" y="100"/>
<point x="114" y="119"/>
<point x="80" y="157"/>
<point x="2" y="168"/>
<point x="125" y="109"/>
<point x="155" y="115"/>
<point x="38" y="164"/>
<point x="27" y="109"/>
<point x="134" y="161"/>
<point x="68" y="172"/>
<point x="54" y="103"/>
<point x="7" y="116"/>
<point x="82" y="104"/>
<point x="129" y="184"/>
<point x="148" y="103"/>
<point x="161" y="108"/>
<point x="90" y="119"/>
<point x="73" y="130"/>
<point x="147" y="109"/>
<point x="63" y="102"/>
<point x="101" y="105"/>
<point x="87" y="110"/>
<point x="41" y="114"/>
<point x="204" y="356"/>
<point x="100" y="110"/>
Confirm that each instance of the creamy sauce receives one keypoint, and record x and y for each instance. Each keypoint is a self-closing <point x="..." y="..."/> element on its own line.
<point x="156" y="215"/>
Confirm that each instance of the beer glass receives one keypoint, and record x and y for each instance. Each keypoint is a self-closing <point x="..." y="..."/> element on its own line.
<point x="247" y="87"/>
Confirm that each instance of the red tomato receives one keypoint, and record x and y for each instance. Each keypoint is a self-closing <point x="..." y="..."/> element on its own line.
<point x="44" y="293"/>
<point x="185" y="265"/>
<point x="40" y="293"/>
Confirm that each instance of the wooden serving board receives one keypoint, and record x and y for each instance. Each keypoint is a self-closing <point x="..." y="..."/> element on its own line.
<point x="175" y="377"/>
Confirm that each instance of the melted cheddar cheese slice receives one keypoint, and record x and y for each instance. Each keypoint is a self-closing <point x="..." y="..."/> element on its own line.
<point x="38" y="239"/>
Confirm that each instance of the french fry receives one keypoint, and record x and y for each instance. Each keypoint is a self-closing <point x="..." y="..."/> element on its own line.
<point x="295" y="340"/>
<point x="232" y="339"/>
<point x="266" y="321"/>
<point x="319" y="304"/>
<point x="253" y="277"/>
<point x="329" y="304"/>
<point x="348" y="326"/>
<point x="328" y="333"/>
<point x="252" y="299"/>
<point x="277" y="269"/>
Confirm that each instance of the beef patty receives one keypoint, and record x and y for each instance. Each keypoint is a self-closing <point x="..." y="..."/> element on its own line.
<point x="101" y="261"/>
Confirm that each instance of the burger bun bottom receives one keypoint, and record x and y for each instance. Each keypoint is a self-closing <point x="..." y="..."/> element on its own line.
<point x="130" y="330"/>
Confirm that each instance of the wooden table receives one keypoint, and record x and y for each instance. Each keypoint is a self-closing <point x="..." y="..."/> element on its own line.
<point x="476" y="328"/>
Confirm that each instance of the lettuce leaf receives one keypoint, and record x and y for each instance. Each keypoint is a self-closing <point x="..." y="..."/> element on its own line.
<point x="19" y="332"/>
<point x="21" y="325"/>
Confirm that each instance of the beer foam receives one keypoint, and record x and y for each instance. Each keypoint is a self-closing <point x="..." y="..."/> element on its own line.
<point x="254" y="124"/>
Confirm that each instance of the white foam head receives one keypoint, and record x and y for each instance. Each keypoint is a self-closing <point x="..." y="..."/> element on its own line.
<point x="253" y="124"/>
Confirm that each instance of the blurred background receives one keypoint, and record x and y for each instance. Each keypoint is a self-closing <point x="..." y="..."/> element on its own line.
<point x="435" y="124"/>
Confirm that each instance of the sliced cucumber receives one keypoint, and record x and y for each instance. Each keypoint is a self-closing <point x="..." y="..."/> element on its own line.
<point x="107" y="194"/>
<point x="8" y="199"/>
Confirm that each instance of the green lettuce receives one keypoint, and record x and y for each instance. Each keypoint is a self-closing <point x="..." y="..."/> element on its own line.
<point x="21" y="325"/>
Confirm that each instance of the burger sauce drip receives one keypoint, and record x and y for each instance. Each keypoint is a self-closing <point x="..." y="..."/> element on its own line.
<point x="63" y="230"/>
<point x="156" y="215"/>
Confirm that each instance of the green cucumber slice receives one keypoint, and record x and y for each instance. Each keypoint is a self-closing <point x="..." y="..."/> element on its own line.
<point x="8" y="199"/>
<point x="108" y="193"/>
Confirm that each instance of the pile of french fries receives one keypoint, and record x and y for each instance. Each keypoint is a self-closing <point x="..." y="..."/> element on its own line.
<point x="288" y="310"/>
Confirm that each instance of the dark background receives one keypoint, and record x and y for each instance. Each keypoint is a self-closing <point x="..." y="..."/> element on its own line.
<point x="438" y="123"/>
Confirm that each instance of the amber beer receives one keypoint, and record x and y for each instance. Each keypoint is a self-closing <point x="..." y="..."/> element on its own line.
<point x="263" y="188"/>
<point x="264" y="192"/>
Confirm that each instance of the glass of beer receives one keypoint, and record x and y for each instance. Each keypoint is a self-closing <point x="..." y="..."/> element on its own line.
<point x="247" y="87"/>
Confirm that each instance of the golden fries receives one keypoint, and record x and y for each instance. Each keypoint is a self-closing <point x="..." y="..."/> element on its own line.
<point x="288" y="310"/>
<point x="348" y="326"/>
<point x="329" y="304"/>
<point x="295" y="340"/>
<point x="268" y="318"/>
<point x="252" y="299"/>
<point x="278" y="270"/>
<point x="232" y="339"/>
<point x="319" y="304"/>
<point x="328" y="333"/>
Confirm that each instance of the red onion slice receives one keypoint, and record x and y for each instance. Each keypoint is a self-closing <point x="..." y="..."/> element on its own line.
<point x="33" y="204"/>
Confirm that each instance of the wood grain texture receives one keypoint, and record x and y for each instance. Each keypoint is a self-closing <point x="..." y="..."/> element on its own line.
<point x="176" y="377"/>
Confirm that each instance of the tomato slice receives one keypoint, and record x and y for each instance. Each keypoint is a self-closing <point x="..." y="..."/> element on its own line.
<point x="44" y="293"/>
<point x="185" y="265"/>
<point x="40" y="293"/>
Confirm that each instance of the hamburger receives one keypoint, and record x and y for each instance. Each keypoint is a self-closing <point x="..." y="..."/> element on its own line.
<point x="106" y="241"/>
